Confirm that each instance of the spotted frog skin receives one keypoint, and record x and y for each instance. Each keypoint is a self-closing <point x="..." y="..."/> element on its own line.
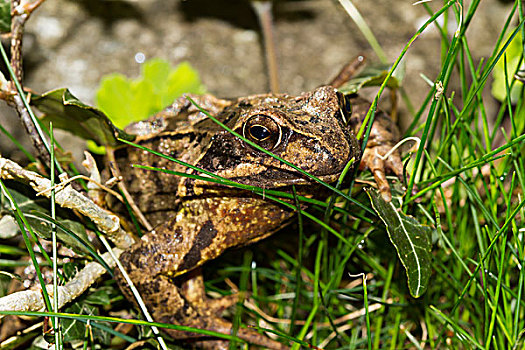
<point x="196" y="221"/>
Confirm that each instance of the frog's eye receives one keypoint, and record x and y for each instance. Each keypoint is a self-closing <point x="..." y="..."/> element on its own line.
<point x="259" y="132"/>
<point x="262" y="130"/>
<point x="345" y="107"/>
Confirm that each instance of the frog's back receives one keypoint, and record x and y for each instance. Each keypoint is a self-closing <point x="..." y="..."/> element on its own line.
<point x="175" y="132"/>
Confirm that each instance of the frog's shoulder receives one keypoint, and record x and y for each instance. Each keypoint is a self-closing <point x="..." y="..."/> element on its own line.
<point x="181" y="115"/>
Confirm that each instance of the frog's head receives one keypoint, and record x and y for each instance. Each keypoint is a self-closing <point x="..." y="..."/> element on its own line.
<point x="310" y="131"/>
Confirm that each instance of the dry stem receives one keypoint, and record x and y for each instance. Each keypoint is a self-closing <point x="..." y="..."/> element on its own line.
<point x="31" y="300"/>
<point x="21" y="11"/>
<point x="69" y="198"/>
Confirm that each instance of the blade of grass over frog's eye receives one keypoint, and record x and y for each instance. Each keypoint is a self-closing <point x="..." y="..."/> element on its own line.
<point x="263" y="192"/>
<point x="295" y="167"/>
<point x="222" y="180"/>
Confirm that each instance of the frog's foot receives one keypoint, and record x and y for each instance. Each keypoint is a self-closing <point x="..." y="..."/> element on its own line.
<point x="380" y="159"/>
<point x="205" y="318"/>
<point x="209" y="310"/>
<point x="174" y="304"/>
<point x="222" y="326"/>
<point x="193" y="290"/>
<point x="218" y="305"/>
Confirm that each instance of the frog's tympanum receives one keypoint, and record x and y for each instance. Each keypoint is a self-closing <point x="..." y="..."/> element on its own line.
<point x="196" y="221"/>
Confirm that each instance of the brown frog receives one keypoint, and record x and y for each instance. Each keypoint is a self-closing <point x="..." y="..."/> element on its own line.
<point x="195" y="221"/>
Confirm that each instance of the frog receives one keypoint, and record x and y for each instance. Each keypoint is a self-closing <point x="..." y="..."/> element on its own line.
<point x="194" y="221"/>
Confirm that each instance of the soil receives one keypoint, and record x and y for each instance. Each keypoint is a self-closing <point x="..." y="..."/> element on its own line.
<point x="74" y="43"/>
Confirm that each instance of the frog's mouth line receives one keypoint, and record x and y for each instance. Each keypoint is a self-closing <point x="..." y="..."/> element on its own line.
<point x="279" y="177"/>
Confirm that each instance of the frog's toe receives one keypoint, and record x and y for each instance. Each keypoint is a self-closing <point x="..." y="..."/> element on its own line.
<point x="212" y="345"/>
<point x="395" y="164"/>
<point x="220" y="304"/>
<point x="380" y="159"/>
<point x="220" y="325"/>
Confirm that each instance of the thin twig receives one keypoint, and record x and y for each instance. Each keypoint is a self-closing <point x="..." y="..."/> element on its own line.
<point x="18" y="21"/>
<point x="63" y="184"/>
<point x="115" y="171"/>
<point x="263" y="10"/>
<point x="31" y="129"/>
<point x="348" y="71"/>
<point x="21" y="337"/>
<point x="348" y="317"/>
<point x="20" y="13"/>
<point x="29" y="7"/>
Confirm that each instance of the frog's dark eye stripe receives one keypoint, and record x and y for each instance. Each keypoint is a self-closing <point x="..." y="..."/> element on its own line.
<point x="263" y="130"/>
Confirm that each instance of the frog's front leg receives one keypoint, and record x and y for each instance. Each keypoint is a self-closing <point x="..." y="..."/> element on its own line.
<point x="201" y="231"/>
<point x="377" y="155"/>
